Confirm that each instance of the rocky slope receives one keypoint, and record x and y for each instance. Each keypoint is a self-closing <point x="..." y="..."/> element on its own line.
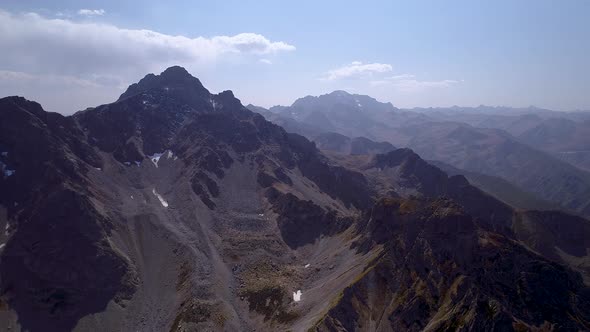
<point x="493" y="152"/>
<point x="440" y="271"/>
<point x="175" y="209"/>
<point x="500" y="189"/>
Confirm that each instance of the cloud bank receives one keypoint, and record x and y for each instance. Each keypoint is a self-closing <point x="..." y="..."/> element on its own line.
<point x="379" y="75"/>
<point x="33" y="43"/>
<point x="91" y="12"/>
<point x="409" y="83"/>
<point x="357" y="69"/>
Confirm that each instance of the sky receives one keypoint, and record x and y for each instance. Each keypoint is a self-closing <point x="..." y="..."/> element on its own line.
<point x="69" y="55"/>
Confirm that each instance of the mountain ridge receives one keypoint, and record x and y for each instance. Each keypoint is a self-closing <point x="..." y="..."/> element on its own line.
<point x="202" y="215"/>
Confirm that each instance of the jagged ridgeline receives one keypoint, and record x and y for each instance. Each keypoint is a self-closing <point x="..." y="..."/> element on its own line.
<point x="175" y="209"/>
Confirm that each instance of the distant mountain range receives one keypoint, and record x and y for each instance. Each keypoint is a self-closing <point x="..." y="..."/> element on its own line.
<point x="175" y="209"/>
<point x="544" y="153"/>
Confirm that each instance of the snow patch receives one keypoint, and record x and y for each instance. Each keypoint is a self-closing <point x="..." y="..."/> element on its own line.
<point x="128" y="163"/>
<point x="155" y="158"/>
<point x="169" y="155"/>
<point x="131" y="197"/>
<point x="7" y="172"/>
<point x="214" y="104"/>
<point x="307" y="265"/>
<point x="98" y="168"/>
<point x="2" y="245"/>
<point x="297" y="296"/>
<point x="164" y="203"/>
<point x="138" y="163"/>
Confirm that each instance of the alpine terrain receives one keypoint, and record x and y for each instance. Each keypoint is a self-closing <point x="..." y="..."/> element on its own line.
<point x="175" y="209"/>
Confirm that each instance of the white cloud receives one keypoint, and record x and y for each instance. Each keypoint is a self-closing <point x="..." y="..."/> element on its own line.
<point x="379" y="75"/>
<point x="413" y="85"/>
<point x="401" y="77"/>
<point x="357" y="69"/>
<point x="33" y="43"/>
<point x="91" y="12"/>
<point x="409" y="83"/>
<point x="265" y="61"/>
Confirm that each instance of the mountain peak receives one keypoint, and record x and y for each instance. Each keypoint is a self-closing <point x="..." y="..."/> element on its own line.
<point x="175" y="78"/>
<point x="177" y="72"/>
<point x="339" y="93"/>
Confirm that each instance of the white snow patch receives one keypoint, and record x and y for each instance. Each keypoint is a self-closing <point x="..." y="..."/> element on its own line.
<point x="128" y="163"/>
<point x="169" y="155"/>
<point x="261" y="214"/>
<point x="98" y="168"/>
<point x="6" y="228"/>
<point x="155" y="158"/>
<point x="214" y="104"/>
<point x="297" y="296"/>
<point x="7" y="172"/>
<point x="2" y="245"/>
<point x="131" y="197"/>
<point x="138" y="163"/>
<point x="307" y="265"/>
<point x="164" y="203"/>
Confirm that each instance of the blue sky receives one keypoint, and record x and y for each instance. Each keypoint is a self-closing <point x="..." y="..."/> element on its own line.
<point x="69" y="55"/>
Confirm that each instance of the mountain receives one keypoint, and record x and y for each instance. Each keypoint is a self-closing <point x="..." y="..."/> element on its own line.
<point x="451" y="136"/>
<point x="567" y="139"/>
<point x="499" y="117"/>
<point x="493" y="152"/>
<point x="500" y="189"/>
<point x="175" y="209"/>
<point x="580" y="159"/>
<point x="562" y="134"/>
<point x="339" y="111"/>
<point x="288" y="123"/>
<point x="439" y="271"/>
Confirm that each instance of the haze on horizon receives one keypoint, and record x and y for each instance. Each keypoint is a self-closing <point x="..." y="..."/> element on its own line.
<point x="69" y="56"/>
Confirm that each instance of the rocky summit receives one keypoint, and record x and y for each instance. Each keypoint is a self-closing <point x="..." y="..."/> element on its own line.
<point x="175" y="209"/>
